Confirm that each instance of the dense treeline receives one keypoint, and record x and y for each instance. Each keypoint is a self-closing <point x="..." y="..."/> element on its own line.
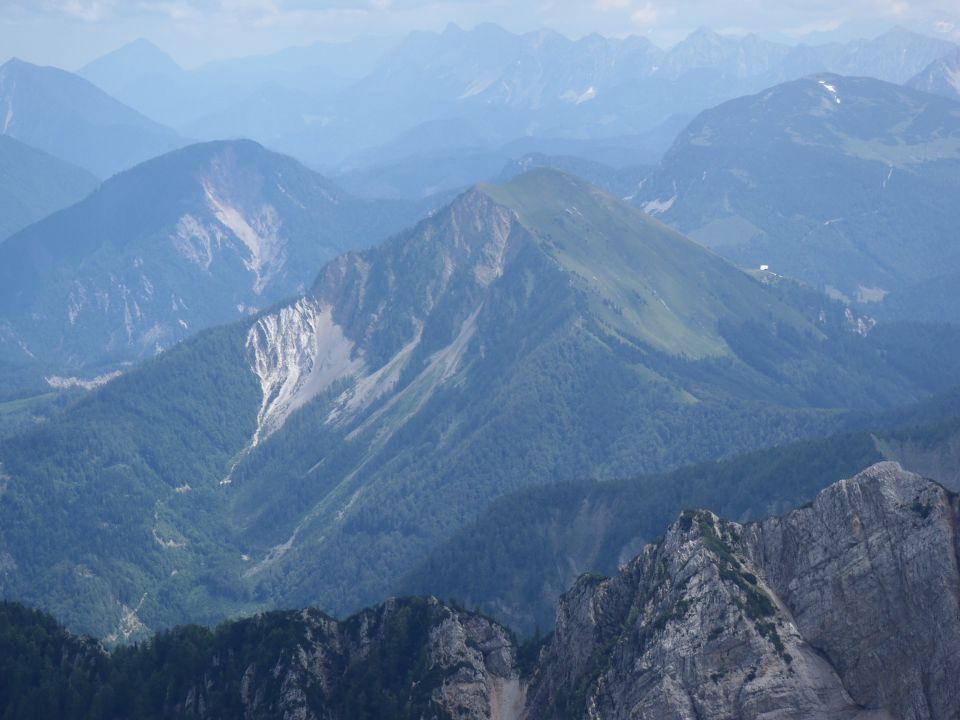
<point x="527" y="548"/>
<point x="121" y="486"/>
<point x="373" y="666"/>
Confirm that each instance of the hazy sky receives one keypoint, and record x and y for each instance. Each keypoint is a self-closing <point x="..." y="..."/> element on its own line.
<point x="69" y="33"/>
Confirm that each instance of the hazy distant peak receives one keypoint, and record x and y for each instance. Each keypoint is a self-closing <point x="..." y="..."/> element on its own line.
<point x="133" y="64"/>
<point x="703" y="34"/>
<point x="898" y="32"/>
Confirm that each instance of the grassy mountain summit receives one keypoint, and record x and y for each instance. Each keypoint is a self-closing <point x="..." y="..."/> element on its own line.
<point x="528" y="333"/>
<point x="643" y="281"/>
<point x="839" y="181"/>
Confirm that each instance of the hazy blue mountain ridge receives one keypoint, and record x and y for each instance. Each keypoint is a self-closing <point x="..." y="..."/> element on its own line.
<point x="34" y="184"/>
<point x="195" y="238"/>
<point x="941" y="77"/>
<point x="838" y="181"/>
<point x="68" y="117"/>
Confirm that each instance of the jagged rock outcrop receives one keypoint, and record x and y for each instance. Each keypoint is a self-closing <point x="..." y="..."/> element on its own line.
<point x="847" y="608"/>
<point x="411" y="658"/>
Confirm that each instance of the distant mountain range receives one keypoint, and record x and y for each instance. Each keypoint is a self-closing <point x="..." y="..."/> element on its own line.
<point x="34" y="184"/>
<point x="195" y="238"/>
<point x="845" y="183"/>
<point x="528" y="333"/>
<point x="478" y="89"/>
<point x="146" y="78"/>
<point x="69" y="118"/>
<point x="941" y="77"/>
<point x="846" y="608"/>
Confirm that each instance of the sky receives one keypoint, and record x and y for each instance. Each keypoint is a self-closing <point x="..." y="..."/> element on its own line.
<point x="70" y="33"/>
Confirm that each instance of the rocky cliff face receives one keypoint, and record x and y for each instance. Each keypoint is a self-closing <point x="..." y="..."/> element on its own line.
<point x="847" y="608"/>
<point x="405" y="658"/>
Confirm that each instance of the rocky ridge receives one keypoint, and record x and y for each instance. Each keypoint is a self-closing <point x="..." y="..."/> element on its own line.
<point x="451" y="664"/>
<point x="847" y="608"/>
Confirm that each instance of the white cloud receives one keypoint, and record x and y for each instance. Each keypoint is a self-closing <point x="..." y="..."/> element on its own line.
<point x="86" y="10"/>
<point x="645" y="15"/>
<point x="609" y="5"/>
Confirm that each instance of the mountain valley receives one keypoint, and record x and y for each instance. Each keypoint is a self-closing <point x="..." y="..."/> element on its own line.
<point x="528" y="333"/>
<point x="479" y="361"/>
<point x="801" y="615"/>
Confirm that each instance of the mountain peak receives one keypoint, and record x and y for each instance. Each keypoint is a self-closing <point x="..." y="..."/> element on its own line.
<point x="899" y="33"/>
<point x="704" y="34"/>
<point x="772" y="608"/>
<point x="133" y="68"/>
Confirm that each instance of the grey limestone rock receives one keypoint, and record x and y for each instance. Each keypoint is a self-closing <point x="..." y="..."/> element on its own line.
<point x="847" y="608"/>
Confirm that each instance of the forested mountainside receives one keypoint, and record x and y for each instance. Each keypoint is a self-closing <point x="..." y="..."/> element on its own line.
<point x="34" y="184"/>
<point x="527" y="334"/>
<point x="822" y="179"/>
<point x="517" y="557"/>
<point x="845" y="608"/>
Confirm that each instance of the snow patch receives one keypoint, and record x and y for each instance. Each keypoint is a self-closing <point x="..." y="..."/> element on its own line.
<point x="659" y="206"/>
<point x="832" y="89"/>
